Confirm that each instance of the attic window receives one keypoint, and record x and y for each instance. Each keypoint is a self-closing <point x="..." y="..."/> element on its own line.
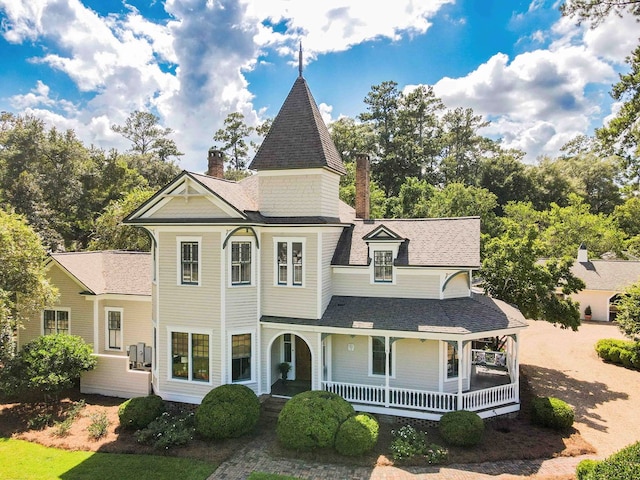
<point x="383" y="266"/>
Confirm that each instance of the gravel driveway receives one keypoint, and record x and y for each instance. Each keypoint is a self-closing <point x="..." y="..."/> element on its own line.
<point x="606" y="397"/>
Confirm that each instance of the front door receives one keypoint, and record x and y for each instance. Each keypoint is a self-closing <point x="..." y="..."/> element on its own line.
<point x="303" y="360"/>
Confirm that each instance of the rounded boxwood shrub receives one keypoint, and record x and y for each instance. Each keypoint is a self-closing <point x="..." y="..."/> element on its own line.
<point x="138" y="412"/>
<point x="227" y="411"/>
<point x="551" y="412"/>
<point x="311" y="420"/>
<point x="622" y="465"/>
<point x="584" y="469"/>
<point x="357" y="435"/>
<point x="461" y="428"/>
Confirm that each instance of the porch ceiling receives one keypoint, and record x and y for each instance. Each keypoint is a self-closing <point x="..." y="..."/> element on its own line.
<point x="467" y="315"/>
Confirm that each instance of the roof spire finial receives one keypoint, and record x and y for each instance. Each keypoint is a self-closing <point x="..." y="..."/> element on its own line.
<point x="300" y="60"/>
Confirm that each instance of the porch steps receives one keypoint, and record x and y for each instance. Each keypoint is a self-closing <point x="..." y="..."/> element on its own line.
<point x="271" y="406"/>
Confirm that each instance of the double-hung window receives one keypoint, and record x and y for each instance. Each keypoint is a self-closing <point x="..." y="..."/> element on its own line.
<point x="190" y="356"/>
<point x="241" y="358"/>
<point x="189" y="260"/>
<point x="114" y="328"/>
<point x="240" y="263"/>
<point x="452" y="360"/>
<point x="383" y="266"/>
<point x="378" y="356"/>
<point x="55" y="321"/>
<point x="290" y="262"/>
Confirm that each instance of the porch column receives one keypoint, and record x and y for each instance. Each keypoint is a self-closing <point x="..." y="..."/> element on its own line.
<point x="516" y="365"/>
<point x="459" y="345"/>
<point x="387" y="347"/>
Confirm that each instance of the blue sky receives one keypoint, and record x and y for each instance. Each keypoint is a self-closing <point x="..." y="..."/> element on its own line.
<point x="540" y="79"/>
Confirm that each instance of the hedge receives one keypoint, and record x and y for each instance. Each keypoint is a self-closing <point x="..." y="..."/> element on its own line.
<point x="620" y="352"/>
<point x="461" y="428"/>
<point x="552" y="412"/>
<point x="227" y="411"/>
<point x="622" y="465"/>
<point x="138" y="412"/>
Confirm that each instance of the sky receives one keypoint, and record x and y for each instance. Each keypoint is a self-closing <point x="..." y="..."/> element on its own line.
<point x="86" y="65"/>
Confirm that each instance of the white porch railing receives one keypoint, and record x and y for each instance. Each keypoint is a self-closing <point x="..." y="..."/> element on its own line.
<point x="422" y="399"/>
<point x="489" y="397"/>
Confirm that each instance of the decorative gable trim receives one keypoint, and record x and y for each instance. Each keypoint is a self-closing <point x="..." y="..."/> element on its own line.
<point x="383" y="234"/>
<point x="184" y="186"/>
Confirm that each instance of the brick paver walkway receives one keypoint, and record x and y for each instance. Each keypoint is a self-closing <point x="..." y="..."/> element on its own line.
<point x="563" y="363"/>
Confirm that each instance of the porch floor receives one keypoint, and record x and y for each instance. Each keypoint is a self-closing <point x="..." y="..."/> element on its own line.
<point x="290" y="387"/>
<point x="484" y="376"/>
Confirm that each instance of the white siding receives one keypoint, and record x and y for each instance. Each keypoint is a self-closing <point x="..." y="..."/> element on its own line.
<point x="356" y="282"/>
<point x="457" y="287"/>
<point x="289" y="301"/>
<point x="329" y="242"/>
<point x="194" y="207"/>
<point x="351" y="365"/>
<point x="136" y="324"/>
<point x="81" y="310"/>
<point x="309" y="194"/>
<point x="112" y="378"/>
<point x="190" y="307"/>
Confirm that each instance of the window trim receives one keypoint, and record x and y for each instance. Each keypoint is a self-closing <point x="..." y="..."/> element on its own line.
<point x="179" y="280"/>
<point x="190" y="332"/>
<point x="107" y="337"/>
<point x="290" y="265"/>
<point x="253" y="261"/>
<point x="56" y="309"/>
<point x="392" y="357"/>
<point x="252" y="358"/>
<point x="382" y="247"/>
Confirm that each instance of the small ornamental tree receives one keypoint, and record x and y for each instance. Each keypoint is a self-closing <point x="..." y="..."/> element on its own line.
<point x="628" y="317"/>
<point x="49" y="364"/>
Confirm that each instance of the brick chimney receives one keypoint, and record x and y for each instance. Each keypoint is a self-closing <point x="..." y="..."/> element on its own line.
<point x="362" y="186"/>
<point x="216" y="163"/>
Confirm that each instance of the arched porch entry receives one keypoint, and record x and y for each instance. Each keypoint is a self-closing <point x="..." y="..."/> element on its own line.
<point x="292" y="350"/>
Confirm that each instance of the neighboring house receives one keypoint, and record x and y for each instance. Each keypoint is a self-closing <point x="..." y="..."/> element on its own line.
<point x="105" y="298"/>
<point x="605" y="280"/>
<point x="275" y="268"/>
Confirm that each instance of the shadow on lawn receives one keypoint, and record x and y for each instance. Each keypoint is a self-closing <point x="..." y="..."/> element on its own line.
<point x="582" y="395"/>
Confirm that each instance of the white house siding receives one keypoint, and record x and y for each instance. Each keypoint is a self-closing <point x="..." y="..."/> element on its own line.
<point x="189" y="307"/>
<point x="113" y="378"/>
<point x="457" y="287"/>
<point x="356" y="282"/>
<point x="599" y="301"/>
<point x="351" y="364"/>
<point x="329" y="241"/>
<point x="269" y="354"/>
<point x="136" y="324"/>
<point x="289" y="301"/>
<point x="81" y="310"/>
<point x="417" y="364"/>
<point x="197" y="207"/>
<point x="303" y="194"/>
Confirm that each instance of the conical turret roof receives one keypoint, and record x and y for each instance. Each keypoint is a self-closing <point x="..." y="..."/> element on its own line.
<point x="298" y="137"/>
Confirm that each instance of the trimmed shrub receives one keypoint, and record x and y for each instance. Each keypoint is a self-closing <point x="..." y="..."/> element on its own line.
<point x="168" y="431"/>
<point x="621" y="352"/>
<point x="584" y="469"/>
<point x="622" y="465"/>
<point x="138" y="412"/>
<point x="626" y="358"/>
<point x="312" y="419"/>
<point x="357" y="435"/>
<point x="227" y="411"/>
<point x="614" y="354"/>
<point x="461" y="428"/>
<point x="552" y="412"/>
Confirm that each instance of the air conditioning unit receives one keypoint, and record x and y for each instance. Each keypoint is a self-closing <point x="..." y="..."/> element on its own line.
<point x="140" y="356"/>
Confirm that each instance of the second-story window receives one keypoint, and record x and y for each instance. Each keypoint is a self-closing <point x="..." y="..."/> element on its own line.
<point x="240" y="263"/>
<point x="290" y="262"/>
<point x="189" y="261"/>
<point x="383" y="266"/>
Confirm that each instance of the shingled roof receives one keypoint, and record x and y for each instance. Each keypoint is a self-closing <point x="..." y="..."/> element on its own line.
<point x="609" y="275"/>
<point x="298" y="137"/>
<point x="428" y="242"/>
<point x="114" y="271"/>
<point x="462" y="316"/>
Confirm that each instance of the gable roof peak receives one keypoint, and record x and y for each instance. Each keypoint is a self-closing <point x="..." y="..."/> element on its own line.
<point x="298" y="137"/>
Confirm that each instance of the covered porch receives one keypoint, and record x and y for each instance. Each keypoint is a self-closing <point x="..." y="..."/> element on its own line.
<point x="431" y="361"/>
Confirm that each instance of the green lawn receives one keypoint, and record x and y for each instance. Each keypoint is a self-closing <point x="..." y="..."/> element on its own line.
<point x="20" y="460"/>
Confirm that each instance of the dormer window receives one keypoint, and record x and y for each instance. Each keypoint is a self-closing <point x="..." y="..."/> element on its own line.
<point x="383" y="266"/>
